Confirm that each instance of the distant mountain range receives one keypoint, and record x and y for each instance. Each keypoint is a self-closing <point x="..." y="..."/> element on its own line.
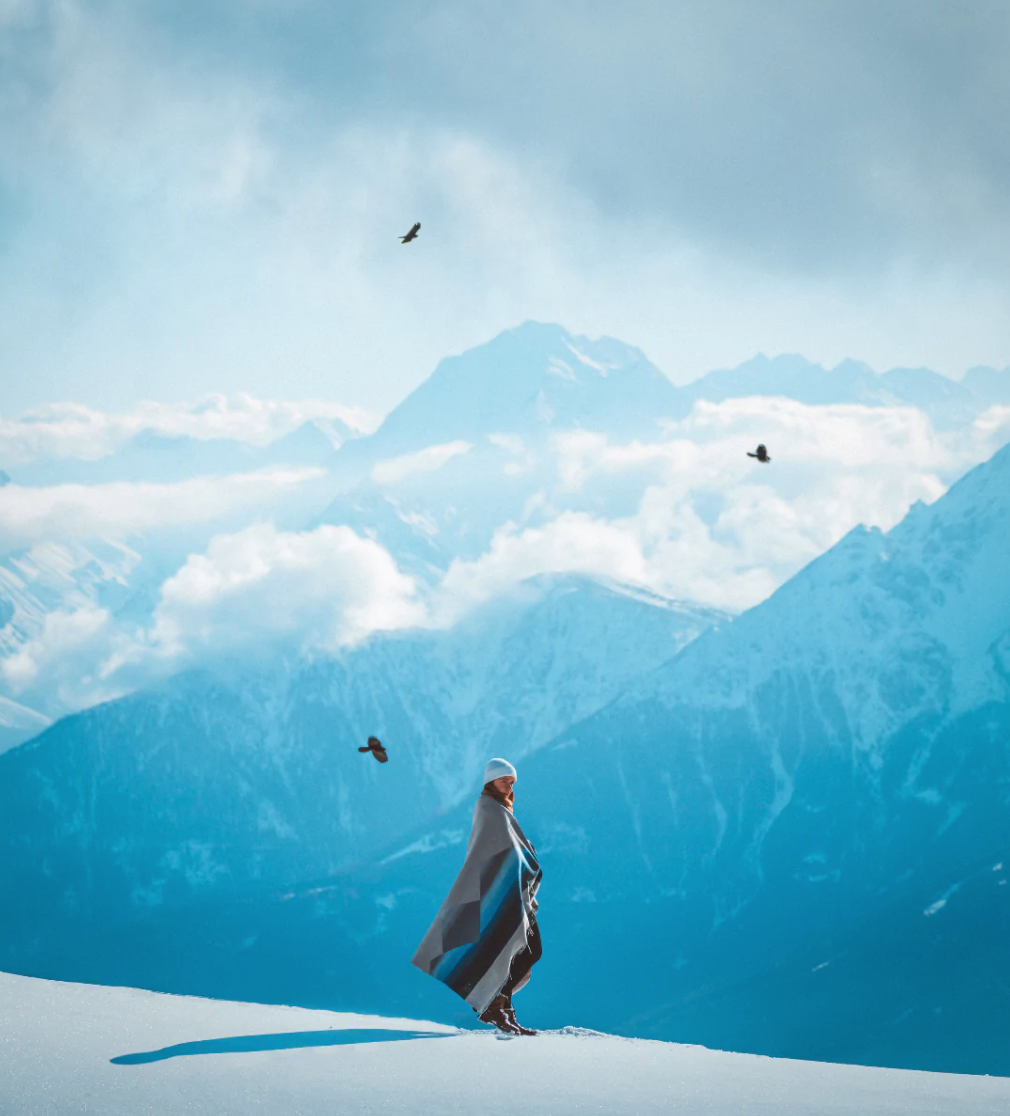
<point x="479" y="448"/>
<point x="531" y="381"/>
<point x="495" y="411"/>
<point x="157" y="458"/>
<point x="948" y="403"/>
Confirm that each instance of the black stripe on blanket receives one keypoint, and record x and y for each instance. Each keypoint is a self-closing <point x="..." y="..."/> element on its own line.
<point x="506" y="921"/>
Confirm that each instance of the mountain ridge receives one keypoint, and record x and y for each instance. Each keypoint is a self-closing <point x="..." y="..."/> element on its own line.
<point x="232" y="778"/>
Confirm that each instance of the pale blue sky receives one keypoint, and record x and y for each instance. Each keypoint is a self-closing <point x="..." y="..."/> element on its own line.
<point x="207" y="196"/>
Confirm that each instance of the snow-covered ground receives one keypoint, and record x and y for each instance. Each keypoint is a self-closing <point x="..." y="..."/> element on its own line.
<point x="74" y="1048"/>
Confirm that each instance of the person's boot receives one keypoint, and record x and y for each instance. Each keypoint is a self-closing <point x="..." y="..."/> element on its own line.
<point x="510" y="1014"/>
<point x="495" y="1014"/>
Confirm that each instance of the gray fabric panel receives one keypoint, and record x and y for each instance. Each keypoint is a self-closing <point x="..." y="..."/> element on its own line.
<point x="494" y="835"/>
<point x="462" y="926"/>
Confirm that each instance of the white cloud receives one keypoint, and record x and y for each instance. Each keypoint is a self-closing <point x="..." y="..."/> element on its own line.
<point x="689" y="516"/>
<point x="513" y="443"/>
<point x="63" y="664"/>
<point x="68" y="511"/>
<point x="571" y="542"/>
<point x="253" y="594"/>
<point x="314" y="590"/>
<point x="991" y="428"/>
<point x="693" y="517"/>
<point x="680" y="560"/>
<point x="73" y="430"/>
<point x="395" y="470"/>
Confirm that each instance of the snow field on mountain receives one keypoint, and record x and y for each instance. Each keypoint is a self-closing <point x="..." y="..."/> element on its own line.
<point x="73" y="1048"/>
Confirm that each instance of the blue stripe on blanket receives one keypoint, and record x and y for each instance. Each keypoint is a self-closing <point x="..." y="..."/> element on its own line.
<point x="501" y="914"/>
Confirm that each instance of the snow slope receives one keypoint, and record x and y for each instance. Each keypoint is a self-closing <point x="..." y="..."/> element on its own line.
<point x="73" y="1048"/>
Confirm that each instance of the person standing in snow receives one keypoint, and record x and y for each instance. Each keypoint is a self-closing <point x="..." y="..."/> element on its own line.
<point x="485" y="940"/>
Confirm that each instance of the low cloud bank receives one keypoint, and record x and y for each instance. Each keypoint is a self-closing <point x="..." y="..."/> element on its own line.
<point x="73" y="430"/>
<point x="251" y="595"/>
<point x="693" y="517"/>
<point x="118" y="510"/>
<point x="687" y="516"/>
<point x="394" y="470"/>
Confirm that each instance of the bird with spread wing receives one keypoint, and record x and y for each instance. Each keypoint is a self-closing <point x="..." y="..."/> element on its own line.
<point x="376" y="748"/>
<point x="761" y="455"/>
<point x="412" y="235"/>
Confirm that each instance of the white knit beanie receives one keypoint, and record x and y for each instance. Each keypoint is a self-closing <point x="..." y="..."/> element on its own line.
<point x="498" y="769"/>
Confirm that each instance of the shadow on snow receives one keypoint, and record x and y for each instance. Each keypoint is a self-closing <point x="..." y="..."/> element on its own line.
<point x="292" y="1040"/>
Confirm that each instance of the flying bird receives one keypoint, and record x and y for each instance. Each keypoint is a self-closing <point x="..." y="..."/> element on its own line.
<point x="376" y="748"/>
<point x="761" y="455"/>
<point x="412" y="235"/>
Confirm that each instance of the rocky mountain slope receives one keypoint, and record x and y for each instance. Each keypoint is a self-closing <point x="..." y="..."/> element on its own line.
<point x="221" y="783"/>
<point x="836" y="758"/>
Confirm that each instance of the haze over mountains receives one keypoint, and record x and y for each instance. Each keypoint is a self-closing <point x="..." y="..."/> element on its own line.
<point x="538" y="453"/>
<point x="534" y="377"/>
<point x="759" y="743"/>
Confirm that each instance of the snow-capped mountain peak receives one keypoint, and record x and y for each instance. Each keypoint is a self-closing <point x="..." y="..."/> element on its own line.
<point x="527" y="380"/>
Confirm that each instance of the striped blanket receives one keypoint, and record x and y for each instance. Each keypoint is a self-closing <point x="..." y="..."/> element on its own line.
<point x="484" y="921"/>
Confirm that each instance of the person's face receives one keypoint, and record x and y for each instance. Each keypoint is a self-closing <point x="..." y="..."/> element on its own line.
<point x="504" y="784"/>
